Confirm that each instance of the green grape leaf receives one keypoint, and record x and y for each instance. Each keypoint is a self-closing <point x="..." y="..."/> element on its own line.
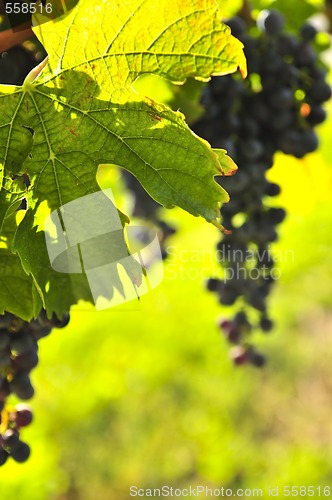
<point x="78" y="109"/>
<point x="57" y="291"/>
<point x="18" y="293"/>
<point x="61" y="290"/>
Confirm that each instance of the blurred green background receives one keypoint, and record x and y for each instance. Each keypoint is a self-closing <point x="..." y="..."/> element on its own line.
<point x="145" y="393"/>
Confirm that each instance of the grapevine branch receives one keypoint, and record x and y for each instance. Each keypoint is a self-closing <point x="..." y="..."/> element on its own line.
<point x="10" y="38"/>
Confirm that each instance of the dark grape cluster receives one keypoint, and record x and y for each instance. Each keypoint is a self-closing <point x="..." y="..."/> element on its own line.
<point x="18" y="356"/>
<point x="146" y="208"/>
<point x="275" y="109"/>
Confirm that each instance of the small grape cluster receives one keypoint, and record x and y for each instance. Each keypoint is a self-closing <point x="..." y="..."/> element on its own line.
<point x="145" y="207"/>
<point x="275" y="109"/>
<point x="18" y="356"/>
<point x="10" y="442"/>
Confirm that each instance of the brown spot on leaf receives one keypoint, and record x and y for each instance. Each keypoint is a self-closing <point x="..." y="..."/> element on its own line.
<point x="154" y="116"/>
<point x="72" y="131"/>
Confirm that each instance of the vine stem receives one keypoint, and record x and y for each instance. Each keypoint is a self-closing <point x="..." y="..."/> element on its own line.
<point x="9" y="38"/>
<point x="328" y="12"/>
<point x="221" y="227"/>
